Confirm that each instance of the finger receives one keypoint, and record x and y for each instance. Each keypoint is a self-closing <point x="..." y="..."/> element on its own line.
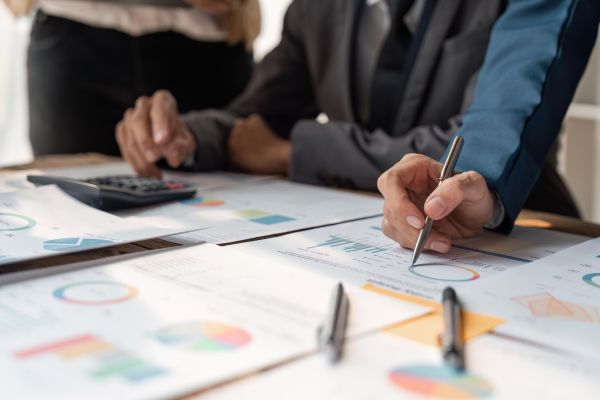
<point x="145" y="168"/>
<point x="393" y="186"/>
<point x="407" y="238"/>
<point x="179" y="150"/>
<point x="163" y="116"/>
<point x="142" y="131"/>
<point x="126" y="144"/>
<point x="465" y="187"/>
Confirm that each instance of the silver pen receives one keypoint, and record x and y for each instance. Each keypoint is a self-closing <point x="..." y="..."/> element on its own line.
<point x="446" y="173"/>
<point x="332" y="334"/>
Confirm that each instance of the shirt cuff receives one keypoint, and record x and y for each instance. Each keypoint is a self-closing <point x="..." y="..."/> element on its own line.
<point x="498" y="215"/>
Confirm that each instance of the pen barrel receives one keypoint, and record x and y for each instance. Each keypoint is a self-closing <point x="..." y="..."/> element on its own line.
<point x="452" y="158"/>
<point x="452" y="337"/>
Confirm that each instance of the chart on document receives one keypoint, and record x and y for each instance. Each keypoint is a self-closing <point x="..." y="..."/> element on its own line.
<point x="556" y="299"/>
<point x="158" y="326"/>
<point x="31" y="228"/>
<point x="382" y="366"/>
<point x="358" y="252"/>
<point x="264" y="208"/>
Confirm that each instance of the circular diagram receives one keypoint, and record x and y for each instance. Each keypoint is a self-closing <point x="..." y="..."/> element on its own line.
<point x="446" y="273"/>
<point x="592" y="279"/>
<point x="15" y="222"/>
<point x="204" y="336"/>
<point x="95" y="293"/>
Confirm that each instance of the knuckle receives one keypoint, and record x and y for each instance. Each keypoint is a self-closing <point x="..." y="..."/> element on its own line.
<point x="142" y="101"/>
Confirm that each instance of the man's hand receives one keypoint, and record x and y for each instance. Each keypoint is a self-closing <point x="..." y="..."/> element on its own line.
<point x="253" y="146"/>
<point x="461" y="205"/>
<point x="153" y="130"/>
<point x="215" y="7"/>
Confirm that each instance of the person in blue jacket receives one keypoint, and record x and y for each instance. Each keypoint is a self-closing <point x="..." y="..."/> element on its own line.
<point x="537" y="54"/>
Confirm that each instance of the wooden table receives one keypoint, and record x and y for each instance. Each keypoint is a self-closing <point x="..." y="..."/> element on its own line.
<point x="527" y="218"/>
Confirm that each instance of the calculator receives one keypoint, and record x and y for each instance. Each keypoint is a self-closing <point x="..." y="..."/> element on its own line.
<point x="118" y="192"/>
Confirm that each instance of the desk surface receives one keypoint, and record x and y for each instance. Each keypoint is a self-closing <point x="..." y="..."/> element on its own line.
<point x="527" y="218"/>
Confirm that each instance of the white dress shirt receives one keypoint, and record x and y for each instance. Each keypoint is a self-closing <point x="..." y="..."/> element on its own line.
<point x="137" y="20"/>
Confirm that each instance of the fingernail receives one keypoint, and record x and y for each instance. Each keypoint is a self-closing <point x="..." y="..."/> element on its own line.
<point x="440" y="247"/>
<point x="414" y="222"/>
<point x="150" y="156"/>
<point x="436" y="206"/>
<point x="159" y="134"/>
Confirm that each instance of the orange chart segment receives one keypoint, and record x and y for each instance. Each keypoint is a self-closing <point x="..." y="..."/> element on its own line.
<point x="440" y="382"/>
<point x="203" y="202"/>
<point x="545" y="305"/>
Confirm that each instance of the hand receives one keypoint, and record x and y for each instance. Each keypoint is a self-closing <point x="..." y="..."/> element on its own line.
<point x="215" y="7"/>
<point x="153" y="130"/>
<point x="254" y="147"/>
<point x="461" y="205"/>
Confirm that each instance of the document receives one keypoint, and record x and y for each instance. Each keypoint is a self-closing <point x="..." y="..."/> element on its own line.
<point x="45" y="221"/>
<point x="555" y="301"/>
<point x="260" y="209"/>
<point x="17" y="180"/>
<point x="359" y="253"/>
<point x="164" y="325"/>
<point x="385" y="367"/>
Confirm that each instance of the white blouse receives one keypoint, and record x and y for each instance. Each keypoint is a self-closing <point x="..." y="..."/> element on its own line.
<point x="137" y="20"/>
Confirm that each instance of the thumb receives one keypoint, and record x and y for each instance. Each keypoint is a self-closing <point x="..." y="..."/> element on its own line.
<point x="467" y="187"/>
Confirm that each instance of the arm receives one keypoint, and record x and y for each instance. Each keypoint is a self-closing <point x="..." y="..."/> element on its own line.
<point x="537" y="54"/>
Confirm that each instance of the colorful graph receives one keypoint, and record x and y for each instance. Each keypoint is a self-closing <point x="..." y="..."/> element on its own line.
<point x="591" y="280"/>
<point x="95" y="293"/>
<point x="351" y="245"/>
<point x="204" y="336"/>
<point x="263" y="217"/>
<point x="545" y="305"/>
<point x="440" y="382"/>
<point x="446" y="273"/>
<point x="15" y="222"/>
<point x="65" y="244"/>
<point x="108" y="360"/>
<point x="202" y="202"/>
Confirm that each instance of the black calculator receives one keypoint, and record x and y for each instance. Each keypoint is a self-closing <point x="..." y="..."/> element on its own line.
<point x="118" y="192"/>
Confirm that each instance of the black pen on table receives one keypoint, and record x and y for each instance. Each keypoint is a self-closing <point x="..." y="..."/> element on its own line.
<point x="453" y="349"/>
<point x="332" y="334"/>
<point x="447" y="171"/>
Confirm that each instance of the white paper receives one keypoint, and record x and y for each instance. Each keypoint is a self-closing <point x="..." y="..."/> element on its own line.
<point x="386" y="367"/>
<point x="264" y="208"/>
<point x="555" y="300"/>
<point x="17" y="180"/>
<point x="45" y="221"/>
<point x="359" y="253"/>
<point x="160" y="326"/>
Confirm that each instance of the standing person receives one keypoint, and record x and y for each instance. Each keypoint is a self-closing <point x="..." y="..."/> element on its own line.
<point x="393" y="76"/>
<point x="89" y="60"/>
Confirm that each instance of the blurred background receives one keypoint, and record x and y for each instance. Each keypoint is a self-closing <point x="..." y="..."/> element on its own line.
<point x="579" y="159"/>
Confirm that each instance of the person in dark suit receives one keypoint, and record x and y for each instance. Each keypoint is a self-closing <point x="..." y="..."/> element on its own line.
<point x="392" y="77"/>
<point x="538" y="52"/>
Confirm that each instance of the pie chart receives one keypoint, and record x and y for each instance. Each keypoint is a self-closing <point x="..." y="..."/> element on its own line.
<point x="65" y="244"/>
<point x="446" y="273"/>
<point x="204" y="336"/>
<point x="15" y="222"/>
<point x="440" y="382"/>
<point x="95" y="293"/>
<point x="592" y="279"/>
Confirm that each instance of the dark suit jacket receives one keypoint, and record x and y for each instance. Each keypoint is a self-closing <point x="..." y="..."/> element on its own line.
<point x="538" y="52"/>
<point x="308" y="74"/>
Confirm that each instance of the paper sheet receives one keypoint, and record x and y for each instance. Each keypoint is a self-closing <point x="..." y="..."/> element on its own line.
<point x="264" y="208"/>
<point x="44" y="221"/>
<point x="160" y="326"/>
<point x="555" y="300"/>
<point x="386" y="367"/>
<point x="359" y="253"/>
<point x="427" y="328"/>
<point x="17" y="180"/>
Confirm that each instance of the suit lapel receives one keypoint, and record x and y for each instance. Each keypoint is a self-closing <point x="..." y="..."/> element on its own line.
<point x="418" y="79"/>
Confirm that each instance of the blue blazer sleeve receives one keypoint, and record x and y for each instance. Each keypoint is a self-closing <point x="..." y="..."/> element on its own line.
<point x="537" y="53"/>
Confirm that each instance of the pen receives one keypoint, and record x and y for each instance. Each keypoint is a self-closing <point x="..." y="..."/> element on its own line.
<point x="452" y="338"/>
<point x="333" y="332"/>
<point x="446" y="173"/>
